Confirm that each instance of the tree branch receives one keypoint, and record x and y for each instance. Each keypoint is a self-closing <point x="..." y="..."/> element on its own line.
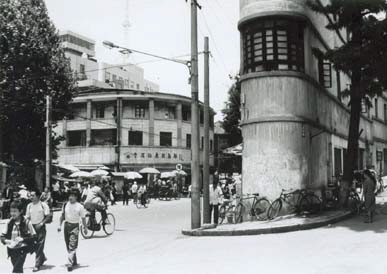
<point x="331" y="21"/>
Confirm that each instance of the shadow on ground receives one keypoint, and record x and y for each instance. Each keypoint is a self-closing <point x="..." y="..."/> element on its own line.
<point x="356" y="223"/>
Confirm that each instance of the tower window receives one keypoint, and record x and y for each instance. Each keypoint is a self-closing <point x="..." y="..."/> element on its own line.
<point x="273" y="45"/>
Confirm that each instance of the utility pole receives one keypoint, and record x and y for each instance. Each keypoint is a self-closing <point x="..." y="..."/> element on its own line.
<point x="48" y="140"/>
<point x="118" y="145"/>
<point x="206" y="152"/>
<point x="195" y="134"/>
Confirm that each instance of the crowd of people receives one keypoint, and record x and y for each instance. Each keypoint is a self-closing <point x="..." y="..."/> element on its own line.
<point x="25" y="231"/>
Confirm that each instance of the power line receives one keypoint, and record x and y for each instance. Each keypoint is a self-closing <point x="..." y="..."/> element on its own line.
<point x="214" y="42"/>
<point x="47" y="76"/>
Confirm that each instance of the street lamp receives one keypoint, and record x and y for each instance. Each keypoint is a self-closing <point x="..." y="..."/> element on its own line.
<point x="111" y="45"/>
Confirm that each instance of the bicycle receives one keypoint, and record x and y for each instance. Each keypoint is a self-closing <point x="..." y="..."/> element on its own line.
<point x="298" y="201"/>
<point x="93" y="225"/>
<point x="258" y="208"/>
<point x="226" y="208"/>
<point x="142" y="202"/>
<point x="165" y="193"/>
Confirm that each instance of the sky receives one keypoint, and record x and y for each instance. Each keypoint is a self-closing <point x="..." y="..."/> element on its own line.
<point x="160" y="27"/>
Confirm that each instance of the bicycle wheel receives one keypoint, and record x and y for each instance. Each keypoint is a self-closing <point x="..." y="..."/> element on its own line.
<point x="303" y="205"/>
<point x="354" y="203"/>
<point x="89" y="224"/>
<point x="315" y="204"/>
<point x="222" y="214"/>
<point x="260" y="209"/>
<point x="239" y="211"/>
<point x="110" y="226"/>
<point x="138" y="203"/>
<point x="274" y="209"/>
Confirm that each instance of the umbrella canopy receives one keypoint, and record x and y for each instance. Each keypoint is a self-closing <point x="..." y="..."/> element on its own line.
<point x="132" y="175"/>
<point x="180" y="172"/>
<point x="70" y="168"/>
<point x="99" y="172"/>
<point x="167" y="174"/>
<point x="149" y="170"/>
<point x="235" y="150"/>
<point x="80" y="174"/>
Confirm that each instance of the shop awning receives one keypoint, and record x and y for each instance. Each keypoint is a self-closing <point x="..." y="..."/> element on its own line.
<point x="235" y="150"/>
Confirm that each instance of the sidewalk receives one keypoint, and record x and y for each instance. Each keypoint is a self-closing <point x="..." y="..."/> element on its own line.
<point x="282" y="224"/>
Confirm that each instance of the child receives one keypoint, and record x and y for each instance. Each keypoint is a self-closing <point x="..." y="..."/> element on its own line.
<point x="72" y="213"/>
<point x="19" y="236"/>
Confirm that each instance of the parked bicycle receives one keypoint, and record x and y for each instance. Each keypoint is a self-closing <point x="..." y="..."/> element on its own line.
<point x="258" y="208"/>
<point x="93" y="225"/>
<point x="225" y="209"/>
<point x="297" y="201"/>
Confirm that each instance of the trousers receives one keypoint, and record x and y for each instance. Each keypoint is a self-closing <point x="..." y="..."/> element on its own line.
<point x="18" y="257"/>
<point x="71" y="235"/>
<point x="39" y="246"/>
<point x="214" y="208"/>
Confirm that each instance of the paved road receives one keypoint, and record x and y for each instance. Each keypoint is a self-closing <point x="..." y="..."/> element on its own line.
<point x="149" y="241"/>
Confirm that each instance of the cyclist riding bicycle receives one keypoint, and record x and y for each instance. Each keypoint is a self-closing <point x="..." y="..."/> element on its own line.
<point x="142" y="194"/>
<point x="96" y="200"/>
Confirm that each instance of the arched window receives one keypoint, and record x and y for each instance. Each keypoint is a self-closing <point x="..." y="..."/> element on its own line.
<point x="273" y="44"/>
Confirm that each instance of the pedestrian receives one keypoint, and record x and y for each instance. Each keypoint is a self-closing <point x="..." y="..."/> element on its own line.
<point x="7" y="197"/>
<point x="125" y="194"/>
<point x="38" y="214"/>
<point x="19" y="236"/>
<point x="24" y="196"/>
<point x="55" y="193"/>
<point x="215" y="195"/>
<point x="114" y="193"/>
<point x="134" y="189"/>
<point x="46" y="197"/>
<point x="72" y="214"/>
<point x="369" y="185"/>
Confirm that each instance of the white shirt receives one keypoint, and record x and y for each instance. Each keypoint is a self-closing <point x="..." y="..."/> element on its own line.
<point x="142" y="189"/>
<point x="56" y="187"/>
<point x="215" y="195"/>
<point x="74" y="212"/>
<point x="134" y="188"/>
<point x="23" y="194"/>
<point x="37" y="212"/>
<point x="93" y="196"/>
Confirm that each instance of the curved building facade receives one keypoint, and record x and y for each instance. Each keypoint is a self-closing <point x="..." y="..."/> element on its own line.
<point x="128" y="130"/>
<point x="294" y="121"/>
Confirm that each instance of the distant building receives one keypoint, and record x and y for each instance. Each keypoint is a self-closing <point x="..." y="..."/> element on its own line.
<point x="294" y="120"/>
<point x="121" y="120"/>
<point x="90" y="72"/>
<point x="128" y="130"/>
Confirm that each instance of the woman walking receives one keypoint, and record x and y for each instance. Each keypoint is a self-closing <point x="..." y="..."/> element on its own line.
<point x="369" y="185"/>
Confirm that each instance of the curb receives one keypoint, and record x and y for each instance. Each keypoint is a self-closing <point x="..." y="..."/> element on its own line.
<point x="270" y="230"/>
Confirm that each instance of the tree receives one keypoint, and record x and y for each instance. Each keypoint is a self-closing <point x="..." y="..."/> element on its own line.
<point x="32" y="65"/>
<point x="232" y="114"/>
<point x="362" y="56"/>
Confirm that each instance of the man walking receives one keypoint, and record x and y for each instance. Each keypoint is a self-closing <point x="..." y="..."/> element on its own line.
<point x="215" y="195"/>
<point x="72" y="213"/>
<point x="37" y="212"/>
<point x="125" y="194"/>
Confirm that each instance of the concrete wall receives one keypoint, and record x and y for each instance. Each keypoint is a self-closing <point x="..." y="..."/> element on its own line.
<point x="145" y="154"/>
<point x="290" y="123"/>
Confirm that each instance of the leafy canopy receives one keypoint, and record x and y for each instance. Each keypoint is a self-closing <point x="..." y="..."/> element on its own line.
<point x="32" y="65"/>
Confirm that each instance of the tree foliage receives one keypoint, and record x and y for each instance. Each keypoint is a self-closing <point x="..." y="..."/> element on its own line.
<point x="232" y="114"/>
<point x="362" y="56"/>
<point x="32" y="65"/>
